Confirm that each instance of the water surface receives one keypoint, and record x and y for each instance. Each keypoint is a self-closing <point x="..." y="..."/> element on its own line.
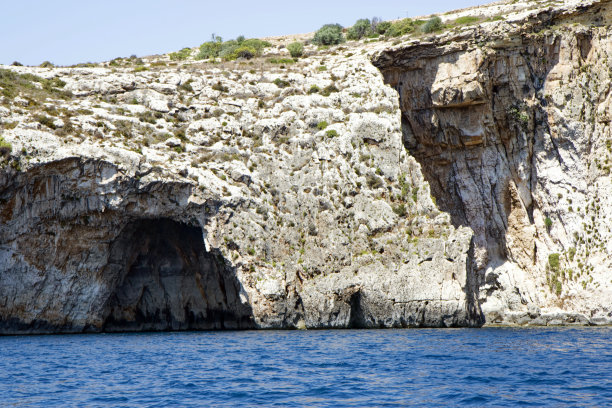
<point x="459" y="367"/>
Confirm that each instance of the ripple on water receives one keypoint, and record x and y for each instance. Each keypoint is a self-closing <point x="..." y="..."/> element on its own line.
<point x="487" y="367"/>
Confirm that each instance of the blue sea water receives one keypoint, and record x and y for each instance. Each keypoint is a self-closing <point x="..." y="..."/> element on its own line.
<point x="344" y="368"/>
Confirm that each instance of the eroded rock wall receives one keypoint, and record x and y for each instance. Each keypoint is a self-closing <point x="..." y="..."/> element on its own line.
<point x="511" y="125"/>
<point x="187" y="195"/>
<point x="307" y="202"/>
<point x="91" y="250"/>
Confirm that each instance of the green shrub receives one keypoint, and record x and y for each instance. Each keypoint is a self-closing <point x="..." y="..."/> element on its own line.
<point x="281" y="61"/>
<point x="8" y="125"/>
<point x="5" y="147"/>
<point x="186" y="86"/>
<point x="329" y="34"/>
<point x="244" y="52"/>
<point x="519" y="116"/>
<point x="296" y="49"/>
<point x="374" y="182"/>
<point x="329" y="89"/>
<point x="402" y="27"/>
<point x="49" y="84"/>
<point x="415" y="194"/>
<point x="322" y="125"/>
<point x="232" y="49"/>
<point x="548" y="222"/>
<point x="47" y="64"/>
<point x="553" y="262"/>
<point x="432" y="25"/>
<point x="281" y="83"/>
<point x="400" y="210"/>
<point x="180" y="55"/>
<point x="210" y="49"/>
<point x="220" y="87"/>
<point x="45" y="120"/>
<point x="331" y="133"/>
<point x="227" y="49"/>
<point x="314" y="89"/>
<point x="148" y="117"/>
<point x="257" y="44"/>
<point x="360" y="29"/>
<point x="382" y="27"/>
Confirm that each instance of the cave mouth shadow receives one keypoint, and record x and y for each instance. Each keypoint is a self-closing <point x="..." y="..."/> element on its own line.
<point x="165" y="280"/>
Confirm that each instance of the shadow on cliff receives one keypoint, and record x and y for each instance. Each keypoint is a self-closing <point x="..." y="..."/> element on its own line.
<point x="474" y="141"/>
<point x="166" y="280"/>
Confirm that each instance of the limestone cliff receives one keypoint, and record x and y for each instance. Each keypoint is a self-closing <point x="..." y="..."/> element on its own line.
<point x="511" y="125"/>
<point x="169" y="196"/>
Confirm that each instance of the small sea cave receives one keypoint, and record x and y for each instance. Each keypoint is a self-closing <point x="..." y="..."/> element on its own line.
<point x="167" y="281"/>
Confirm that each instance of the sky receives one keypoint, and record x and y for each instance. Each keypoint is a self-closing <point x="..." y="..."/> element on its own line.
<point x="68" y="32"/>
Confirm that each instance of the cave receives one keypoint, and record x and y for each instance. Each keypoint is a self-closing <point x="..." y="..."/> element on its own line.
<point x="165" y="280"/>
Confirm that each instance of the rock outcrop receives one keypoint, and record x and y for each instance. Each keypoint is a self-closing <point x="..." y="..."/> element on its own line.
<point x="184" y="196"/>
<point x="510" y="124"/>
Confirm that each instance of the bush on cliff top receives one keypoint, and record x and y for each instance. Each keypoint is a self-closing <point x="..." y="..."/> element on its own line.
<point x="180" y="55"/>
<point x="402" y="27"/>
<point x="296" y="49"/>
<point x="362" y="28"/>
<point x="382" y="27"/>
<point x="432" y="25"/>
<point x="232" y="49"/>
<point x="329" y="34"/>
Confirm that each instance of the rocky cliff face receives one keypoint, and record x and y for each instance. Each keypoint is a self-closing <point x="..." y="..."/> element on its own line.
<point x="511" y="125"/>
<point x="250" y="195"/>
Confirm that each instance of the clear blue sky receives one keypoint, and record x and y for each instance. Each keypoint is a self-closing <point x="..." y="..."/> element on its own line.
<point x="72" y="31"/>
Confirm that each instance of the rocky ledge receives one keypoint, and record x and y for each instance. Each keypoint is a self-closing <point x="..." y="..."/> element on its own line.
<point x="191" y="195"/>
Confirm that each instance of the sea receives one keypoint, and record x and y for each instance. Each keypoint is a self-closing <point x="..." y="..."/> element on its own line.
<point x="489" y="367"/>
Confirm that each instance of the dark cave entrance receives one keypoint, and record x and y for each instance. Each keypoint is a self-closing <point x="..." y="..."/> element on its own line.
<point x="166" y="280"/>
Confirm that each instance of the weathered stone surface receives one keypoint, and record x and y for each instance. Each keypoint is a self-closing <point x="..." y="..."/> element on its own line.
<point x="509" y="126"/>
<point x="198" y="197"/>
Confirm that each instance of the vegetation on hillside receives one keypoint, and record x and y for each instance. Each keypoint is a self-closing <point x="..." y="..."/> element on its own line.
<point x="231" y="49"/>
<point x="365" y="28"/>
<point x="296" y="49"/>
<point x="31" y="87"/>
<point x="329" y="34"/>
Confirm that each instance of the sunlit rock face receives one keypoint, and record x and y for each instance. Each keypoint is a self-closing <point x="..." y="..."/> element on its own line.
<point x="455" y="179"/>
<point x="511" y="127"/>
